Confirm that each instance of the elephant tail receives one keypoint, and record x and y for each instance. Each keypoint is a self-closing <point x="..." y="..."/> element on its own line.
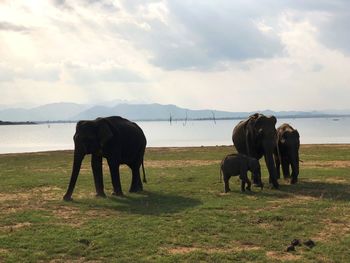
<point x="144" y="174"/>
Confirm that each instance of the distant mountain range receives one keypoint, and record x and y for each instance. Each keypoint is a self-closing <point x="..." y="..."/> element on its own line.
<point x="73" y="112"/>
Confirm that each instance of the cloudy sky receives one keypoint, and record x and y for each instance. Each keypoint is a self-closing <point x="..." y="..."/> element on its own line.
<point x="227" y="55"/>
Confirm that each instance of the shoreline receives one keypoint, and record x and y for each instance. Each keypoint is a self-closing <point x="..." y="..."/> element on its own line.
<point x="155" y="148"/>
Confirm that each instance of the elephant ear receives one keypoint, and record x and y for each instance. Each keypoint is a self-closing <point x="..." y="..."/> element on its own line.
<point x="104" y="132"/>
<point x="273" y="119"/>
<point x="296" y="133"/>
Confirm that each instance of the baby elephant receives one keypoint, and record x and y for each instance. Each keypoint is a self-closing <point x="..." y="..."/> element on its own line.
<point x="240" y="164"/>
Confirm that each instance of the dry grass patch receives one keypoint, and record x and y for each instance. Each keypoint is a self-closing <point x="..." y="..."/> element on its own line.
<point x="69" y="215"/>
<point x="235" y="247"/>
<point x="330" y="145"/>
<point x="282" y="256"/>
<point x="46" y="192"/>
<point x="4" y="251"/>
<point x="326" y="164"/>
<point x="34" y="199"/>
<point x="333" y="230"/>
<point x="182" y="250"/>
<point x="286" y="202"/>
<point x="10" y="228"/>
<point x="80" y="260"/>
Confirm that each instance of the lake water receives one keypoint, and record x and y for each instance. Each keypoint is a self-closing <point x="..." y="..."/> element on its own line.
<point x="44" y="137"/>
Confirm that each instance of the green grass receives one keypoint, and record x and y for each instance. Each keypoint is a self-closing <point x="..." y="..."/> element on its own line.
<point x="182" y="216"/>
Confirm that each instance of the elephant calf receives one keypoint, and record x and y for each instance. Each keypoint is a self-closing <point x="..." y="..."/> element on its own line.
<point x="240" y="164"/>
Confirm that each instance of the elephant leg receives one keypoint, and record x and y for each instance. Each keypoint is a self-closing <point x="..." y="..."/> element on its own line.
<point x="78" y="158"/>
<point x="278" y="166"/>
<point x="244" y="179"/>
<point x="271" y="167"/>
<point x="136" y="184"/>
<point x="242" y="185"/>
<point x="285" y="168"/>
<point x="226" y="184"/>
<point x="248" y="184"/>
<point x="96" y="165"/>
<point x="295" y="172"/>
<point x="114" y="170"/>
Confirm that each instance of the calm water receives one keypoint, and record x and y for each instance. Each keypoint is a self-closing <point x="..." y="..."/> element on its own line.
<point x="32" y="138"/>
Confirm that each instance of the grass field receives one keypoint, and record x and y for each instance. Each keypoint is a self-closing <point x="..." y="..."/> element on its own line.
<point x="182" y="216"/>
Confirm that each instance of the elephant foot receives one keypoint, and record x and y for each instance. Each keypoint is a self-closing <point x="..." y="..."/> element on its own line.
<point x="102" y="195"/>
<point x="275" y="185"/>
<point x="67" y="198"/>
<point x="136" y="189"/>
<point x="294" y="181"/>
<point x="261" y="185"/>
<point x="118" y="193"/>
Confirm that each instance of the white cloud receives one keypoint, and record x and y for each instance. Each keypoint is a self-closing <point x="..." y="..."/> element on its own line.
<point x="230" y="55"/>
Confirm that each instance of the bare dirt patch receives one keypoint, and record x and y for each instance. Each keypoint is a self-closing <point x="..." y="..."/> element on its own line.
<point x="33" y="199"/>
<point x="47" y="192"/>
<point x="11" y="228"/>
<point x="326" y="164"/>
<point x="4" y="251"/>
<point x="282" y="256"/>
<point x="80" y="260"/>
<point x="68" y="215"/>
<point x="292" y="200"/>
<point x="235" y="247"/>
<point x="182" y="250"/>
<point x="333" y="230"/>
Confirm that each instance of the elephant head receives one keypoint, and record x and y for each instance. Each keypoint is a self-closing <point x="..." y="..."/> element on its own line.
<point x="91" y="137"/>
<point x="263" y="133"/>
<point x="254" y="167"/>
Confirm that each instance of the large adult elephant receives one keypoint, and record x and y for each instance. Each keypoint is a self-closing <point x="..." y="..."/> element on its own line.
<point x="118" y="140"/>
<point x="256" y="137"/>
<point x="287" y="152"/>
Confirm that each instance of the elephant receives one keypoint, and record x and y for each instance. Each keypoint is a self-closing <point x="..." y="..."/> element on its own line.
<point x="118" y="140"/>
<point x="256" y="137"/>
<point x="287" y="152"/>
<point x="240" y="164"/>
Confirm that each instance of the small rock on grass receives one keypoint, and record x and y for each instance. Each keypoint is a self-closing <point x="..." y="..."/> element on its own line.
<point x="295" y="242"/>
<point x="84" y="241"/>
<point x="290" y="248"/>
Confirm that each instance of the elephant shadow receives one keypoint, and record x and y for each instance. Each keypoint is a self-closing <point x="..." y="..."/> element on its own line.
<point x="314" y="189"/>
<point x="144" y="203"/>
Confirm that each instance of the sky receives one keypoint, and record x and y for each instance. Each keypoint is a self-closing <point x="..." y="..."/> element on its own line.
<point x="241" y="55"/>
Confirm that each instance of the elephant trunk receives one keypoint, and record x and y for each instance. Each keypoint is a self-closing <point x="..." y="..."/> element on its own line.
<point x="78" y="158"/>
<point x="295" y="167"/>
<point x="270" y="163"/>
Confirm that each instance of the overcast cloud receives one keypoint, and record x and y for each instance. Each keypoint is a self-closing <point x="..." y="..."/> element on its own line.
<point x="226" y="55"/>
